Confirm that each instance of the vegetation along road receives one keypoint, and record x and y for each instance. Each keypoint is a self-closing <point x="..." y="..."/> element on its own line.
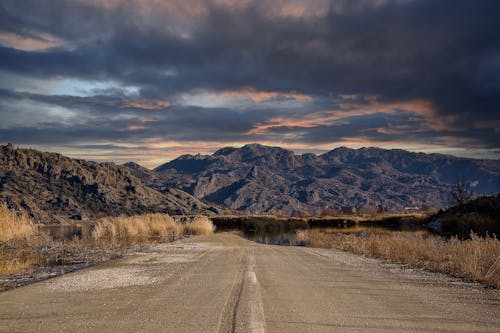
<point x="224" y="283"/>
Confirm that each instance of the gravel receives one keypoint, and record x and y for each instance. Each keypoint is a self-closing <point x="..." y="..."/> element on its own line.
<point x="100" y="279"/>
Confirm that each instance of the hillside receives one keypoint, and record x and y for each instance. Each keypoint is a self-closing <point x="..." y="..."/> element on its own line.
<point x="480" y="216"/>
<point x="54" y="188"/>
<point x="262" y="179"/>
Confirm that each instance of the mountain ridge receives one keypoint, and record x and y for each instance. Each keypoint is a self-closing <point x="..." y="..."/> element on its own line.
<point x="261" y="179"/>
<point x="53" y="188"/>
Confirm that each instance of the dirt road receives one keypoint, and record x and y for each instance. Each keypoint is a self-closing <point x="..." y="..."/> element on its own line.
<point x="223" y="283"/>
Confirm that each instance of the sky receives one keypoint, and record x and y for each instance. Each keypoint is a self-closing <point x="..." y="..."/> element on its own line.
<point x="147" y="81"/>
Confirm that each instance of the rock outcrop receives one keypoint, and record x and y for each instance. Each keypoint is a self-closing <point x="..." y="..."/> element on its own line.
<point x="54" y="188"/>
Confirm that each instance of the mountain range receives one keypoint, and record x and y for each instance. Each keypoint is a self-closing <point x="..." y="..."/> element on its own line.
<point x="261" y="179"/>
<point x="255" y="179"/>
<point x="52" y="188"/>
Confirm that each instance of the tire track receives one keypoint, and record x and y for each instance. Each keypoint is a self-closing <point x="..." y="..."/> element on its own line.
<point x="244" y="310"/>
<point x="227" y="321"/>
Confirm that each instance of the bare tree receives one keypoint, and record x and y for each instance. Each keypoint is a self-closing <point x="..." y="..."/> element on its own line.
<point x="460" y="193"/>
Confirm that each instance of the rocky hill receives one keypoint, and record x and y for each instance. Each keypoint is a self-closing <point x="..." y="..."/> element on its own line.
<point x="54" y="188"/>
<point x="262" y="179"/>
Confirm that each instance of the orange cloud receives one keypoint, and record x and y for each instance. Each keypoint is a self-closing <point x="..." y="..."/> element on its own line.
<point x="308" y="121"/>
<point x="297" y="8"/>
<point x="259" y="96"/>
<point x="146" y="105"/>
<point x="41" y="41"/>
<point x="360" y="105"/>
<point x="135" y="127"/>
<point x="141" y="125"/>
<point x="154" y="104"/>
<point x="369" y="104"/>
<point x="420" y="107"/>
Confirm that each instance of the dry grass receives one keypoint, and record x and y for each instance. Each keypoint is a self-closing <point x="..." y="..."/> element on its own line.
<point x="15" y="228"/>
<point x="476" y="258"/>
<point x="15" y="266"/>
<point x="24" y="247"/>
<point x="144" y="228"/>
<point x="200" y="225"/>
<point x="114" y="230"/>
<point x="20" y="242"/>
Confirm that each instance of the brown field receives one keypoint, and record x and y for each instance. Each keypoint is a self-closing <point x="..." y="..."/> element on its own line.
<point x="476" y="258"/>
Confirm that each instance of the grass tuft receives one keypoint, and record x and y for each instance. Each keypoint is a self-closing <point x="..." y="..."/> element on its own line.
<point x="201" y="225"/>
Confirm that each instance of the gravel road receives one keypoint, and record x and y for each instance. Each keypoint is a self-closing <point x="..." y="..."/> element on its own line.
<point x="223" y="283"/>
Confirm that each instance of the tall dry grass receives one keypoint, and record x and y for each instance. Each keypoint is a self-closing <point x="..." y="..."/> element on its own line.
<point x="144" y="228"/>
<point x="20" y="242"/>
<point x="476" y="258"/>
<point x="15" y="228"/>
<point x="23" y="246"/>
<point x="200" y="225"/>
<point x="14" y="266"/>
<point x="128" y="229"/>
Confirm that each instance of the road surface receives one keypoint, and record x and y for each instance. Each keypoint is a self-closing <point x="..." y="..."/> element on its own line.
<point x="223" y="283"/>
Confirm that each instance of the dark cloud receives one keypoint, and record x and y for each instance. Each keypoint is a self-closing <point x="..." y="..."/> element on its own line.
<point x="446" y="53"/>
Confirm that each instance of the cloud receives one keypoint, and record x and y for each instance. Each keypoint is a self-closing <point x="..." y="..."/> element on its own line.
<point x="259" y="96"/>
<point x="29" y="43"/>
<point x="303" y="73"/>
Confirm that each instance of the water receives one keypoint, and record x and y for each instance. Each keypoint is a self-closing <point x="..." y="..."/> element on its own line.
<point x="289" y="237"/>
<point x="274" y="236"/>
<point x="63" y="232"/>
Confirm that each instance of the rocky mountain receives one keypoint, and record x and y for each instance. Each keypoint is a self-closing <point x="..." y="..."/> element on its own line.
<point x="262" y="179"/>
<point x="146" y="175"/>
<point x="54" y="188"/>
